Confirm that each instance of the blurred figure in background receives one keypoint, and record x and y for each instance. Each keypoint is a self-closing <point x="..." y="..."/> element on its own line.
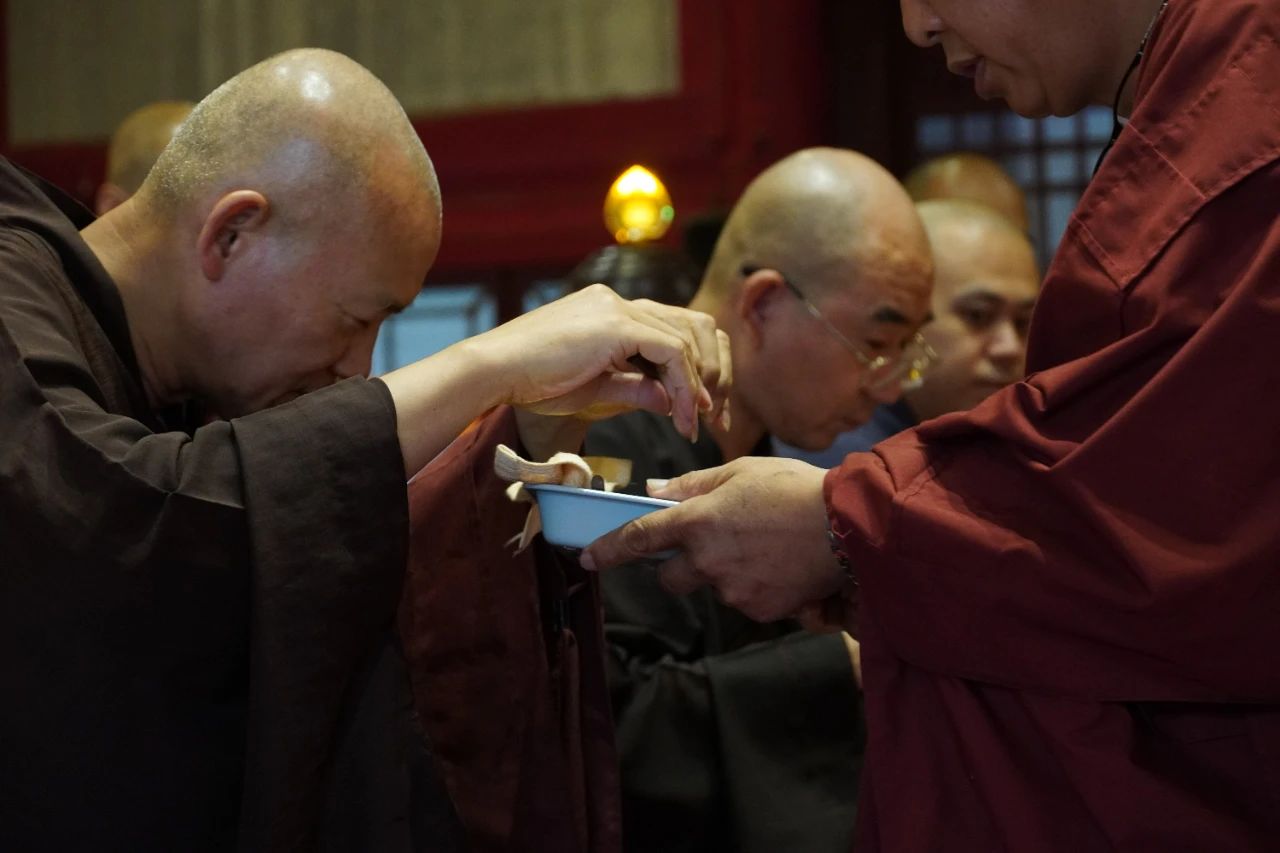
<point x="135" y="147"/>
<point x="969" y="176"/>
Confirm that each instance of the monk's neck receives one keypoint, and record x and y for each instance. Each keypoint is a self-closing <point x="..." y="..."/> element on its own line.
<point x="127" y="252"/>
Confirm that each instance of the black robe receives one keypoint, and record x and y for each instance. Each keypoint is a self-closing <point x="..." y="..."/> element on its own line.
<point x="194" y="623"/>
<point x="732" y="735"/>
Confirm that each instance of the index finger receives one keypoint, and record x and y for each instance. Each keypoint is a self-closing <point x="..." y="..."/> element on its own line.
<point x="706" y="340"/>
<point x="673" y="361"/>
<point x="702" y="347"/>
<point x="647" y="535"/>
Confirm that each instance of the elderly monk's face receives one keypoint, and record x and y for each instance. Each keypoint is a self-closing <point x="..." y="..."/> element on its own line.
<point x="985" y="284"/>
<point x="303" y="312"/>
<point x="1040" y="56"/>
<point x="807" y="386"/>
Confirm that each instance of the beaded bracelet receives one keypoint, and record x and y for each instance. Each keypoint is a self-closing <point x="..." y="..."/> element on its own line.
<point x="842" y="557"/>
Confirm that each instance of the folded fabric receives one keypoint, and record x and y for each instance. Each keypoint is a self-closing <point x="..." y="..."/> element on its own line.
<point x="562" y="469"/>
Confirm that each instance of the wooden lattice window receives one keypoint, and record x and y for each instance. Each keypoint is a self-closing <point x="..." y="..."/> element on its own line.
<point x="1051" y="158"/>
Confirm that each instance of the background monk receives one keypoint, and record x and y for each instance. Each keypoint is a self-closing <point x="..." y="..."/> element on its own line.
<point x="969" y="176"/>
<point x="134" y="148"/>
<point x="1067" y="596"/>
<point x="733" y="734"/>
<point x="985" y="285"/>
<point x="197" y="620"/>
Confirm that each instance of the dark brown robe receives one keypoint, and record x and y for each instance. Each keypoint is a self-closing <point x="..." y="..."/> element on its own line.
<point x="195" y="623"/>
<point x="733" y="735"/>
<point x="506" y="659"/>
<point x="1070" y="595"/>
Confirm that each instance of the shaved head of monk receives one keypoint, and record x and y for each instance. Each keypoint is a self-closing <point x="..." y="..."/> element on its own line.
<point x="973" y="177"/>
<point x="985" y="285"/>
<point x="821" y="273"/>
<point x="293" y="211"/>
<point x="134" y="148"/>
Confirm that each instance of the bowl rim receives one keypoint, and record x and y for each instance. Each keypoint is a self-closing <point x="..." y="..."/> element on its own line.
<point x="621" y="497"/>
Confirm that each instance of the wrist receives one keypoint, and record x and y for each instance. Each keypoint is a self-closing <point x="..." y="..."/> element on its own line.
<point x="486" y="373"/>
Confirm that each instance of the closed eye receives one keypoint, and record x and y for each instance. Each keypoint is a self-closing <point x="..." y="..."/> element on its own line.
<point x="976" y="317"/>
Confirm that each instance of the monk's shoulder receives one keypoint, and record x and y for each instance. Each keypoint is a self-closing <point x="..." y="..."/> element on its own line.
<point x="37" y="303"/>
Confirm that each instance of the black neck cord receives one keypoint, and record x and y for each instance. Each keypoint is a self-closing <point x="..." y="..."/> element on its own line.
<point x="1116" y="125"/>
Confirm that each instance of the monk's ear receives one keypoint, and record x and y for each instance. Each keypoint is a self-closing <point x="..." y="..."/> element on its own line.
<point x="759" y="298"/>
<point x="234" y="217"/>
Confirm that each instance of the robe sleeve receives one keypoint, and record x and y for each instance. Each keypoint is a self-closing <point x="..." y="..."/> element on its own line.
<point x="274" y="542"/>
<point x="1107" y="528"/>
<point x="505" y="659"/>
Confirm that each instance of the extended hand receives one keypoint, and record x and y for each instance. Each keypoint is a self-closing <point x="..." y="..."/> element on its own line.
<point x="593" y="354"/>
<point x="590" y="351"/>
<point x="754" y="529"/>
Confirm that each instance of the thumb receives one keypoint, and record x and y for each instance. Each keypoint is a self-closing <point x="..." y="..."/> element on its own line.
<point x="690" y="485"/>
<point x="606" y="396"/>
<point x="622" y="391"/>
<point x="648" y="534"/>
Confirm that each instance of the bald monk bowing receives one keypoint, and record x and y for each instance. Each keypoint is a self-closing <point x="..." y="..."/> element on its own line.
<point x="1067" y="596"/>
<point x="972" y="177"/>
<point x="134" y="148"/>
<point x="197" y="618"/>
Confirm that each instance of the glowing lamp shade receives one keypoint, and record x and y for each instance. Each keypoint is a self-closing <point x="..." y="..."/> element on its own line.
<point x="638" y="207"/>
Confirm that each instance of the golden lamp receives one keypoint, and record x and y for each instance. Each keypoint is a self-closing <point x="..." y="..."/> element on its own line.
<point x="638" y="212"/>
<point x="638" y="208"/>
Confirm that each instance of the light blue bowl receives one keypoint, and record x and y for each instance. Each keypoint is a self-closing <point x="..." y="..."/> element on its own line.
<point x="574" y="518"/>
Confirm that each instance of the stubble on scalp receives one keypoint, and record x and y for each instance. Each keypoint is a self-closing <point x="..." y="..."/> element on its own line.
<point x="827" y="217"/>
<point x="314" y="132"/>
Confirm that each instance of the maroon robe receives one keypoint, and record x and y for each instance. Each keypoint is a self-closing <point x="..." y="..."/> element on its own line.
<point x="1070" y="596"/>
<point x="506" y="660"/>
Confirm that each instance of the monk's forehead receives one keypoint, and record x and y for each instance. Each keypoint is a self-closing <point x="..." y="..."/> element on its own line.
<point x="976" y="260"/>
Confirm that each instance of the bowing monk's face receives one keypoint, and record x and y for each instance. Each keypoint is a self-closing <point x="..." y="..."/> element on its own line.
<point x="1041" y="57"/>
<point x="985" y="285"/>
<point x="299" y="307"/>
<point x="807" y="379"/>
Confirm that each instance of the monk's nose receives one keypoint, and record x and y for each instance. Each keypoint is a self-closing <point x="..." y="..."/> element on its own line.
<point x="921" y="23"/>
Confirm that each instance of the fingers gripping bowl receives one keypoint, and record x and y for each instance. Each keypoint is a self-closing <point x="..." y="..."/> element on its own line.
<point x="574" y="518"/>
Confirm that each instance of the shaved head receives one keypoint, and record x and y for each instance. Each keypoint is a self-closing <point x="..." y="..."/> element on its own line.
<point x="828" y="217"/>
<point x="822" y="269"/>
<point x="956" y="220"/>
<point x="303" y="127"/>
<point x="973" y="177"/>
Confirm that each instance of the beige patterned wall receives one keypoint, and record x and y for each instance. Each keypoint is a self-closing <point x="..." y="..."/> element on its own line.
<point x="76" y="67"/>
